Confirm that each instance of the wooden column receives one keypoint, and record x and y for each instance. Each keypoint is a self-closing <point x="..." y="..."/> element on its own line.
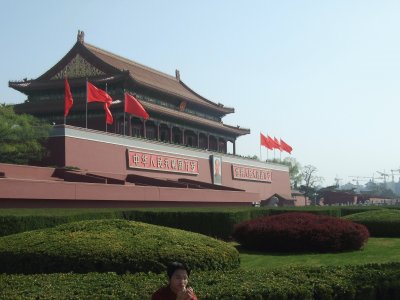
<point x="170" y="134"/>
<point x="198" y="139"/>
<point x="144" y="128"/>
<point x="183" y="136"/>
<point x="208" y="141"/>
<point x="217" y="144"/>
<point x="158" y="131"/>
<point x="234" y="147"/>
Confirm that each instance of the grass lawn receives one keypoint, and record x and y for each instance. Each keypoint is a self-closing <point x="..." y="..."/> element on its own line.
<point x="377" y="250"/>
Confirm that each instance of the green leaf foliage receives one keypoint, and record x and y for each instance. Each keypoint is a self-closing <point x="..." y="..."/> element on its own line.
<point x="348" y="282"/>
<point x="215" y="222"/>
<point x="380" y="223"/>
<point x="22" y="137"/>
<point x="111" y="246"/>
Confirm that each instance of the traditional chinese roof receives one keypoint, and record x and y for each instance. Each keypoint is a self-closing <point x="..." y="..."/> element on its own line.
<point x="101" y="67"/>
<point x="102" y="63"/>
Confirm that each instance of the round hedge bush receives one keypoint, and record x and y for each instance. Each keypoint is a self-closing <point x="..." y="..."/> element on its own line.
<point x="111" y="246"/>
<point x="300" y="232"/>
<point x="380" y="222"/>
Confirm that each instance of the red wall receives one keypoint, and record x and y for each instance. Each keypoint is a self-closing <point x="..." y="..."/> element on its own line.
<point x="98" y="156"/>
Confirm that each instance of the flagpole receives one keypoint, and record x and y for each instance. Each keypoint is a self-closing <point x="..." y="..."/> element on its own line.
<point x="65" y="118"/>
<point x="86" y="99"/>
<point x="260" y="147"/>
<point x="106" y="104"/>
<point x="124" y="113"/>
<point x="65" y="77"/>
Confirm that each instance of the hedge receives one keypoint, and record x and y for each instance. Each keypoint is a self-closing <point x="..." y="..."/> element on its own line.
<point x="349" y="282"/>
<point x="20" y="220"/>
<point x="215" y="222"/>
<point x="111" y="246"/>
<point x="300" y="232"/>
<point x="380" y="223"/>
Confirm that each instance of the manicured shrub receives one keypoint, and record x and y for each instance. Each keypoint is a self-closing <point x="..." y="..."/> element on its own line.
<point x="111" y="246"/>
<point x="216" y="222"/>
<point x="19" y="220"/>
<point x="364" y="282"/>
<point x="380" y="223"/>
<point x="300" y="232"/>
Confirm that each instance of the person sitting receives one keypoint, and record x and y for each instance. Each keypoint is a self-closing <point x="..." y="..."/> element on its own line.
<point x="177" y="288"/>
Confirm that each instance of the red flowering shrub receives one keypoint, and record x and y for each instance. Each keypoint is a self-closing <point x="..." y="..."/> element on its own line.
<point x="299" y="232"/>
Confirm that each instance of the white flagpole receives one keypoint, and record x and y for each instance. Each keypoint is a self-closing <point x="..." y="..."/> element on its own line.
<point x="65" y="118"/>
<point x="86" y="99"/>
<point x="260" y="147"/>
<point x="106" y="104"/>
<point x="124" y="114"/>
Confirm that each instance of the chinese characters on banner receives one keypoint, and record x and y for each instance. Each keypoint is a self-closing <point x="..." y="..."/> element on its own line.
<point x="250" y="173"/>
<point x="157" y="162"/>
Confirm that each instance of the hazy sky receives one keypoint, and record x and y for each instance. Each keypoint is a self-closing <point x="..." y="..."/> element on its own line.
<point x="322" y="75"/>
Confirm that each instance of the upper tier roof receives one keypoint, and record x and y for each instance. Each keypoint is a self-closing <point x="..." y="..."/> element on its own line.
<point x="111" y="64"/>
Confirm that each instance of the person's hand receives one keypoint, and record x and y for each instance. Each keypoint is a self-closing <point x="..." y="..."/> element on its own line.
<point x="190" y="293"/>
<point x="186" y="294"/>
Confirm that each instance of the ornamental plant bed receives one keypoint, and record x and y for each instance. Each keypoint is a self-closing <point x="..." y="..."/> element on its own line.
<point x="300" y="232"/>
<point x="380" y="223"/>
<point x="366" y="282"/>
<point x="111" y="246"/>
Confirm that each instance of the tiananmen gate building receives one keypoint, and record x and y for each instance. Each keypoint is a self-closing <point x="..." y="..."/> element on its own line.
<point x="178" y="156"/>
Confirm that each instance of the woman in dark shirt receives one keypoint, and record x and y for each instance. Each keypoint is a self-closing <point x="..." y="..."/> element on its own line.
<point x="177" y="288"/>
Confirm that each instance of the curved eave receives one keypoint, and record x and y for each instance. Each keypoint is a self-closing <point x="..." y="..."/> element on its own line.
<point x="237" y="131"/>
<point x="36" y="85"/>
<point x="219" y="112"/>
<point x="226" y="110"/>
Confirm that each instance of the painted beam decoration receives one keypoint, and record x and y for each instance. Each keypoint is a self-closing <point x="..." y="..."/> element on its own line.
<point x="250" y="173"/>
<point x="163" y="163"/>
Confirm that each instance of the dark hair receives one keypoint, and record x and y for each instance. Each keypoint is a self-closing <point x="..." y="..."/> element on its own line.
<point x="172" y="267"/>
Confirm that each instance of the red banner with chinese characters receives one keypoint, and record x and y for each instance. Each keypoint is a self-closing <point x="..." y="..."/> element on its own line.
<point x="251" y="173"/>
<point x="164" y="163"/>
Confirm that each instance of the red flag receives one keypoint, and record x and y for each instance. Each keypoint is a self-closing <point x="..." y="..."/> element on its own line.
<point x="109" y="117"/>
<point x="277" y="144"/>
<point x="271" y="142"/>
<point x="286" y="147"/>
<point x="68" y="101"/>
<point x="265" y="142"/>
<point x="95" y="94"/>
<point x="132" y="106"/>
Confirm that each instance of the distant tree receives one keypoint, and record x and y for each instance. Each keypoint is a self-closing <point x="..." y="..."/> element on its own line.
<point x="311" y="181"/>
<point x="379" y="189"/>
<point x="295" y="173"/>
<point x="22" y="137"/>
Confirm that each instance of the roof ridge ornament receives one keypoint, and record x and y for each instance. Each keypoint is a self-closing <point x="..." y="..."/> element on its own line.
<point x="80" y="37"/>
<point x="177" y="75"/>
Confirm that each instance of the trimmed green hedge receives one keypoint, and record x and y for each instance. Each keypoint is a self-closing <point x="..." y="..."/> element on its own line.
<point x="215" y="222"/>
<point x="19" y="220"/>
<point x="380" y="223"/>
<point x="352" y="282"/>
<point x="111" y="246"/>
